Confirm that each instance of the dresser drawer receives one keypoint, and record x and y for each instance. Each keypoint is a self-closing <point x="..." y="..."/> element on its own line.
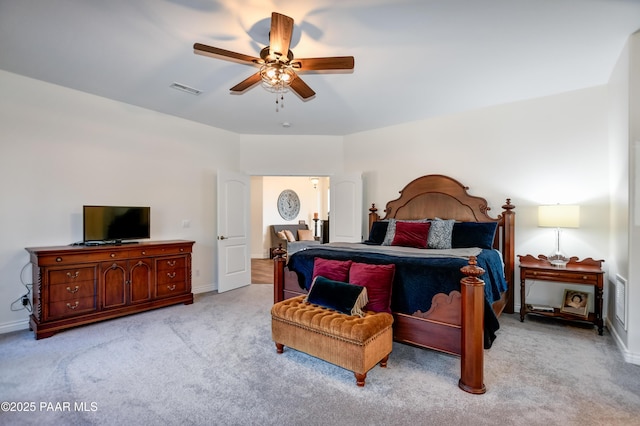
<point x="77" y="290"/>
<point x="71" y="307"/>
<point x="71" y="275"/>
<point x="171" y="276"/>
<point x="172" y="288"/>
<point x="80" y="257"/>
<point x="158" y="251"/>
<point x="170" y="264"/>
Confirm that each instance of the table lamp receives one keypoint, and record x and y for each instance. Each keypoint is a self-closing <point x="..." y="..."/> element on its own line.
<point x="558" y="216"/>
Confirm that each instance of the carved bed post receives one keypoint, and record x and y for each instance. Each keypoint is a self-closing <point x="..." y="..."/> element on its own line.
<point x="373" y="216"/>
<point x="472" y="356"/>
<point x="509" y="251"/>
<point x="279" y="261"/>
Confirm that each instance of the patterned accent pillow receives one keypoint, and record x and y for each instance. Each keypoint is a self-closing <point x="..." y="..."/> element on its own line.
<point x="440" y="234"/>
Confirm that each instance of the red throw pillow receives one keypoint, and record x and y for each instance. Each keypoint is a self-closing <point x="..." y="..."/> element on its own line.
<point x="336" y="270"/>
<point x="378" y="280"/>
<point x="411" y="234"/>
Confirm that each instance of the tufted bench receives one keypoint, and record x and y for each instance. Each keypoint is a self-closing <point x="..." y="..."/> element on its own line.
<point x="354" y="343"/>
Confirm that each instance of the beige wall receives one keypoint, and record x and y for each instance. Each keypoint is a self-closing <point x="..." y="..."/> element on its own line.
<point x="540" y="151"/>
<point x="60" y="149"/>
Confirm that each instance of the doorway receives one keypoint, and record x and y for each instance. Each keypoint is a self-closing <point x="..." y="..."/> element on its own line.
<point x="313" y="193"/>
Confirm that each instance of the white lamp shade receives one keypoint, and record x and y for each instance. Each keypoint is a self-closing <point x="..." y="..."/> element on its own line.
<point x="559" y="216"/>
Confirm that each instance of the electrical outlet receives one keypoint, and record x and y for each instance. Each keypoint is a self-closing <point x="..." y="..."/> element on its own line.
<point x="186" y="223"/>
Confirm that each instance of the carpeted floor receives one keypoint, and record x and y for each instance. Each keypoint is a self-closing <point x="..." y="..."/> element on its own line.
<point x="213" y="363"/>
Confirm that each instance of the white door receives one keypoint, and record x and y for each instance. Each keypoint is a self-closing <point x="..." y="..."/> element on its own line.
<point x="234" y="257"/>
<point x="345" y="217"/>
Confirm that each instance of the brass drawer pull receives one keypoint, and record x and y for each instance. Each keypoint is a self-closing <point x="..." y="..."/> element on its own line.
<point x="74" y="275"/>
<point x="171" y="262"/>
<point x="171" y="275"/>
<point x="171" y="287"/>
<point x="58" y="259"/>
<point x="75" y="290"/>
<point x="144" y="252"/>
<point x="70" y="306"/>
<point x="112" y="255"/>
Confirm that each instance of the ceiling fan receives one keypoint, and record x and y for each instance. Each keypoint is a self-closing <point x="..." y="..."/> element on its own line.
<point x="278" y="67"/>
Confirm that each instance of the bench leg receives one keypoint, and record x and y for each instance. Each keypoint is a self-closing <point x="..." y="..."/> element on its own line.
<point x="279" y="348"/>
<point x="383" y="361"/>
<point x="360" y="378"/>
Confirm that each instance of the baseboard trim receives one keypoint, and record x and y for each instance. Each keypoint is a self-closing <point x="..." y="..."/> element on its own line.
<point x="630" y="357"/>
<point x="204" y="288"/>
<point x="12" y="326"/>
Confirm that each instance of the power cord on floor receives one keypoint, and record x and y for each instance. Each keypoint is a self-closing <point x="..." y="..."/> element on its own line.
<point x="24" y="301"/>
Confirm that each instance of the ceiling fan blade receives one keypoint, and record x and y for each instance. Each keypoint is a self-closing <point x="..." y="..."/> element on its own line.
<point x="280" y="35"/>
<point x="301" y="88"/>
<point x="215" y="52"/>
<point x="319" y="64"/>
<point x="247" y="83"/>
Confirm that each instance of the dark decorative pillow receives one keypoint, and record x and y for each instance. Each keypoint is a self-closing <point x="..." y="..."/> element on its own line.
<point x="378" y="280"/>
<point x="377" y="233"/>
<point x="411" y="234"/>
<point x="342" y="297"/>
<point x="440" y="234"/>
<point x="337" y="270"/>
<point x="391" y="229"/>
<point x="473" y="234"/>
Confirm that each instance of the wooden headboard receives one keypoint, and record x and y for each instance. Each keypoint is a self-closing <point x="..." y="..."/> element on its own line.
<point x="440" y="196"/>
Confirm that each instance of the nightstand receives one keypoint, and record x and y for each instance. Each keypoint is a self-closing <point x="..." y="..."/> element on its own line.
<point x="584" y="272"/>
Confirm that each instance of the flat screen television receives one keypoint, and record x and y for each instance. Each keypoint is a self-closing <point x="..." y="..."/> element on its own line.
<point x="115" y="224"/>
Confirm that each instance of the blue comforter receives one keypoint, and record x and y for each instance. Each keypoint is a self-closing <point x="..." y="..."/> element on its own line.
<point x="417" y="279"/>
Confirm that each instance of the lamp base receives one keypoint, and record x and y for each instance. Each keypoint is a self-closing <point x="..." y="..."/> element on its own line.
<point x="558" y="259"/>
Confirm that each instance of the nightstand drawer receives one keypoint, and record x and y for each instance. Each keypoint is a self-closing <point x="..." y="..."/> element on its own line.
<point x="563" y="276"/>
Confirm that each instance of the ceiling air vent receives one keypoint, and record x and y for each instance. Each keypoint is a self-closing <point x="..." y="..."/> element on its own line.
<point x="184" y="88"/>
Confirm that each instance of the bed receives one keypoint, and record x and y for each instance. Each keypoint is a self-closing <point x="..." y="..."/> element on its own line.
<point x="463" y="311"/>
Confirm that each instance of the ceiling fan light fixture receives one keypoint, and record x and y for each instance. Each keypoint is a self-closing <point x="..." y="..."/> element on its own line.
<point x="276" y="78"/>
<point x="276" y="74"/>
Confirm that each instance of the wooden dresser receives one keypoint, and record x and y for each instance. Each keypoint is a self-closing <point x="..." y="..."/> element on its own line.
<point x="77" y="285"/>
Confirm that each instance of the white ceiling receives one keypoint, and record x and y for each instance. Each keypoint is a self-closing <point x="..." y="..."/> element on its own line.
<point x="414" y="59"/>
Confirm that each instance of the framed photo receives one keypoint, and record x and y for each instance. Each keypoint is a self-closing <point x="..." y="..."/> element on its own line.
<point x="575" y="303"/>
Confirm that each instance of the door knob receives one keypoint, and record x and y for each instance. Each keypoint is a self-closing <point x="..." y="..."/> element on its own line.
<point x="221" y="237"/>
